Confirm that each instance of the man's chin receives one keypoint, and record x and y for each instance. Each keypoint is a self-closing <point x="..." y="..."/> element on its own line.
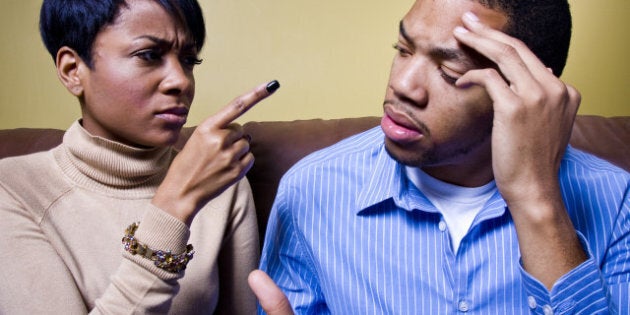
<point x="405" y="156"/>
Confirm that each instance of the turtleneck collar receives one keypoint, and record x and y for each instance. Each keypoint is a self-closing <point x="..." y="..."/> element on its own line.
<point x="108" y="166"/>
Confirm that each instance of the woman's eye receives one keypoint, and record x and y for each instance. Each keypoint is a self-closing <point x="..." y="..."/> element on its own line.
<point x="149" y="55"/>
<point x="192" y="61"/>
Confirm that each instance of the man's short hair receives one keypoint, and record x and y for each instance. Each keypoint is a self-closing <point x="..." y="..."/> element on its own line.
<point x="75" y="23"/>
<point x="543" y="25"/>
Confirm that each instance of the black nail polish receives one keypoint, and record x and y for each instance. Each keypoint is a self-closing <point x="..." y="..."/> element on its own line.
<point x="273" y="86"/>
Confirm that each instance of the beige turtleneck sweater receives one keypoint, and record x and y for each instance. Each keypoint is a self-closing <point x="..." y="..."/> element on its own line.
<point x="62" y="217"/>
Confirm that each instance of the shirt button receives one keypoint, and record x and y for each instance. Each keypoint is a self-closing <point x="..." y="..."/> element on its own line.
<point x="547" y="310"/>
<point x="463" y="306"/>
<point x="532" y="302"/>
<point x="442" y="226"/>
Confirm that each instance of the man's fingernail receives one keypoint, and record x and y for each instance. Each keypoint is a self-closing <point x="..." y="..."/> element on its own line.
<point x="471" y="17"/>
<point x="461" y="30"/>
<point x="273" y="86"/>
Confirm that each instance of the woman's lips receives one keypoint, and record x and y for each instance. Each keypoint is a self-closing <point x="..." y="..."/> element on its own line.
<point x="399" y="132"/>
<point x="176" y="116"/>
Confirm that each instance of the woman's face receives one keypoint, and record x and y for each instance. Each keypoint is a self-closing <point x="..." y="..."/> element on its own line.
<point x="141" y="84"/>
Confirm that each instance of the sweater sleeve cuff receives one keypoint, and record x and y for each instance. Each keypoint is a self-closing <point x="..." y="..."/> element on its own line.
<point x="161" y="231"/>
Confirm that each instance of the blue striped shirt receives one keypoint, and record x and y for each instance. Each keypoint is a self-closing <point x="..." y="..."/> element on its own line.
<point x="350" y="234"/>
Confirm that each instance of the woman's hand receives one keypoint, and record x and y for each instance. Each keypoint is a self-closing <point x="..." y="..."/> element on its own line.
<point x="215" y="156"/>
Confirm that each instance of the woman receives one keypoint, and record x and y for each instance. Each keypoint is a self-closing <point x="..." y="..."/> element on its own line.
<point x="130" y="64"/>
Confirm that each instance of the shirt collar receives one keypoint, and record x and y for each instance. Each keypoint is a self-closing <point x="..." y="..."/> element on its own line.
<point x="389" y="181"/>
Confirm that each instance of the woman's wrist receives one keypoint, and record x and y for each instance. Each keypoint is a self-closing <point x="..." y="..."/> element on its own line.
<point x="175" y="204"/>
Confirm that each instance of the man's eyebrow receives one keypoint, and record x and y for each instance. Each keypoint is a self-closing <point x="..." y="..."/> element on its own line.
<point x="403" y="32"/>
<point x="455" y="55"/>
<point x="443" y="53"/>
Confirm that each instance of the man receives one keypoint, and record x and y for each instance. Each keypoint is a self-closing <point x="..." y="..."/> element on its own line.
<point x="473" y="202"/>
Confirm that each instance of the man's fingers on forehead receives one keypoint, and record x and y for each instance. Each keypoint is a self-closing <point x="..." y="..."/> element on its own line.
<point x="483" y="44"/>
<point x="493" y="43"/>
<point x="504" y="56"/>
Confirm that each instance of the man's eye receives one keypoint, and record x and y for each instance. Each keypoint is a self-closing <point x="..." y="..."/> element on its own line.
<point x="401" y="50"/>
<point x="449" y="75"/>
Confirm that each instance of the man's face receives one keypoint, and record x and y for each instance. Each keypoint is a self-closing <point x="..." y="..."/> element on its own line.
<point x="428" y="121"/>
<point x="141" y="85"/>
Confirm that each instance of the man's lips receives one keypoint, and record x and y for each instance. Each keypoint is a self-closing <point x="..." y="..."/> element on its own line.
<point x="398" y="127"/>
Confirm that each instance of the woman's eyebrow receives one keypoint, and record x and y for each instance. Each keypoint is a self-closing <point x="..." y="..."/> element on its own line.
<point x="160" y="42"/>
<point x="156" y="40"/>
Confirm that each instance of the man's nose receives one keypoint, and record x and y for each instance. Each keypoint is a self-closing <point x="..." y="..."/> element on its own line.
<point x="409" y="81"/>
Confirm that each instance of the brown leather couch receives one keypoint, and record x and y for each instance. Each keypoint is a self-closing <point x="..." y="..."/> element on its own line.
<point x="278" y="145"/>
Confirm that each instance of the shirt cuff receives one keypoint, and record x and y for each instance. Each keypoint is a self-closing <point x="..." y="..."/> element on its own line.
<point x="578" y="289"/>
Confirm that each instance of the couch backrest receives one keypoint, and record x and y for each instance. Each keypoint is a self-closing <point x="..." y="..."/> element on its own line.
<point x="278" y="145"/>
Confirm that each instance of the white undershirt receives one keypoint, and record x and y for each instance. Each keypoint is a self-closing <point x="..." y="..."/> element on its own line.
<point x="458" y="205"/>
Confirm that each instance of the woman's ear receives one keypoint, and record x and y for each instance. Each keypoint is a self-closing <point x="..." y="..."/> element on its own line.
<point x="69" y="69"/>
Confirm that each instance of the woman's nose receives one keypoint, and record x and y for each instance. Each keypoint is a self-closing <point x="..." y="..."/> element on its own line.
<point x="178" y="78"/>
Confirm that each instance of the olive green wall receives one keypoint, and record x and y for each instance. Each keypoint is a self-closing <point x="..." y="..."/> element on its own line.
<point x="332" y="58"/>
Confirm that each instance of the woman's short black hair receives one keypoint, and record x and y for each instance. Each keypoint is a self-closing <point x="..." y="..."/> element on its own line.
<point x="75" y="23"/>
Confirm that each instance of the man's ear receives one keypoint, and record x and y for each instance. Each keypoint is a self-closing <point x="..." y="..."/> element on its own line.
<point x="70" y="67"/>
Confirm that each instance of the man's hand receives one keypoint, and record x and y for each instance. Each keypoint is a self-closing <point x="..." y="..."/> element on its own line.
<point x="533" y="118"/>
<point x="533" y="111"/>
<point x="215" y="156"/>
<point x="270" y="297"/>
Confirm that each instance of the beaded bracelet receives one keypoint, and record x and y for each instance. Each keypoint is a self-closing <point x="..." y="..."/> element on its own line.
<point x="162" y="259"/>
